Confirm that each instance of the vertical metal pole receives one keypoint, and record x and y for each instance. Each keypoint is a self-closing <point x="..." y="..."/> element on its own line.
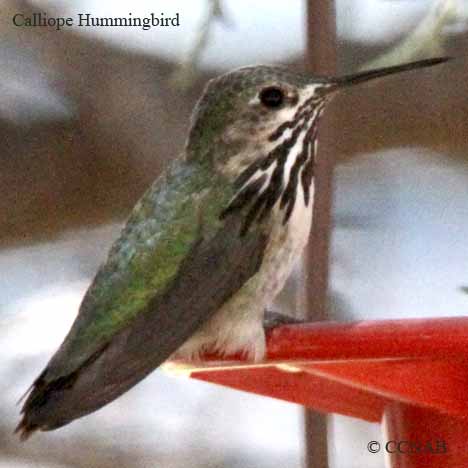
<point x="321" y="59"/>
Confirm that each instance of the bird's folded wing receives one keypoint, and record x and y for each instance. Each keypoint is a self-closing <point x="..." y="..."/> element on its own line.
<point x="174" y="265"/>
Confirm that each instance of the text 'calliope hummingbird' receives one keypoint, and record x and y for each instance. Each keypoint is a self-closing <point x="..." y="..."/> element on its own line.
<point x="206" y="249"/>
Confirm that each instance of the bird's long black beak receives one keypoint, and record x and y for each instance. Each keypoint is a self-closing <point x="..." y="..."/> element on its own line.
<point x="357" y="78"/>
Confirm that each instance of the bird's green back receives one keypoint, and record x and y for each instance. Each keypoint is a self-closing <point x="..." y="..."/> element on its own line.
<point x="180" y="207"/>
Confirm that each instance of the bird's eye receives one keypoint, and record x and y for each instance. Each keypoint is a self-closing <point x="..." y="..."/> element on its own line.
<point x="272" y="97"/>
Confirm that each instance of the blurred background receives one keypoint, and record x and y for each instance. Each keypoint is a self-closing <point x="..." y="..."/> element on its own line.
<point x="90" y="116"/>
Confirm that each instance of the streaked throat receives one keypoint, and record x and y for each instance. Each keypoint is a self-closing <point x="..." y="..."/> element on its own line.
<point x="276" y="177"/>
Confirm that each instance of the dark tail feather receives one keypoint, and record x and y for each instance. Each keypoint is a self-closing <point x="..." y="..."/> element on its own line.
<point x="25" y="430"/>
<point x="105" y="376"/>
<point x="44" y="408"/>
<point x="27" y="426"/>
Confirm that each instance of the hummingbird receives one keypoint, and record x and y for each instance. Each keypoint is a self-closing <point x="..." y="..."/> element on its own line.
<point x="206" y="249"/>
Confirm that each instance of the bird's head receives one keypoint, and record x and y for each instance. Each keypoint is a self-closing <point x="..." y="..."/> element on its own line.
<point x="246" y="114"/>
<point x="257" y="126"/>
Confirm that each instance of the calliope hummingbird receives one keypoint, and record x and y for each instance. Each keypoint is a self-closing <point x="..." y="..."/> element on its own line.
<point x="206" y="249"/>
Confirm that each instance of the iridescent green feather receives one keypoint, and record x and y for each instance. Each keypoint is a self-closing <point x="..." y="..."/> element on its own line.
<point x="180" y="206"/>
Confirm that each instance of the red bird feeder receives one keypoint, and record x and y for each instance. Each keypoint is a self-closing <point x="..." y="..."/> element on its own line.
<point x="409" y="375"/>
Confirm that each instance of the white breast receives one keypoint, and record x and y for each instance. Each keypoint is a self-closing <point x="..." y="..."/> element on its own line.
<point x="286" y="245"/>
<point x="238" y="326"/>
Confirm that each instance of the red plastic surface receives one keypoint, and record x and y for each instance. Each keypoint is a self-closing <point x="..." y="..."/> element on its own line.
<point x="417" y="437"/>
<point x="415" y="372"/>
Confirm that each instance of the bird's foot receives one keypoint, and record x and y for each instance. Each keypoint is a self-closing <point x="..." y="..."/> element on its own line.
<point x="274" y="319"/>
